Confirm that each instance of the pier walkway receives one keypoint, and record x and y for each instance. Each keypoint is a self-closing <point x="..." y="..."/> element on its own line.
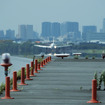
<point x="61" y="82"/>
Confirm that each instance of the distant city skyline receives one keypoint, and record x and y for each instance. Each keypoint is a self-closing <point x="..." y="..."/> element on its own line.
<point x="17" y="12"/>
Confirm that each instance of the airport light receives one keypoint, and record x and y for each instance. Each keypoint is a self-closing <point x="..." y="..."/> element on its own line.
<point x="55" y="46"/>
<point x="6" y="62"/>
<point x="42" y="55"/>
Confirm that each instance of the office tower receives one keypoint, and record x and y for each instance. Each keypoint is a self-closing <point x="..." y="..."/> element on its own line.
<point x="35" y="35"/>
<point x="55" y="29"/>
<point x="46" y="29"/>
<point x="10" y="34"/>
<point x="29" y="32"/>
<point x="25" y="32"/>
<point x="88" y="29"/>
<point x="68" y="27"/>
<point x="22" y="32"/>
<point x="104" y="25"/>
<point x="71" y="29"/>
<point x="1" y="33"/>
<point x="63" y="29"/>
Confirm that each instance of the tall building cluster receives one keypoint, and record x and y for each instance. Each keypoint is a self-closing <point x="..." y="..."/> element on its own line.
<point x="56" y="29"/>
<point x="10" y="35"/>
<point x="25" y="32"/>
<point x="90" y="33"/>
<point x="50" y="29"/>
<point x="68" y="31"/>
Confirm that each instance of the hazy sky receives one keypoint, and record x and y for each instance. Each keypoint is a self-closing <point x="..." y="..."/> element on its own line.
<point x="15" y="12"/>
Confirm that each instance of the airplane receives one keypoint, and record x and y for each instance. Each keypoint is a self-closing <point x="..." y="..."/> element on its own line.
<point x="52" y="46"/>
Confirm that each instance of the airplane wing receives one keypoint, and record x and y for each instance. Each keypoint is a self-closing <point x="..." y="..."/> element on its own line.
<point x="63" y="46"/>
<point x="42" y="46"/>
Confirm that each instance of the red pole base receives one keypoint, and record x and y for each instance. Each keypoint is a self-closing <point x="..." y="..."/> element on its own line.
<point x="36" y="72"/>
<point x="22" y="84"/>
<point x="39" y="69"/>
<point x="28" y="79"/>
<point x="32" y="75"/>
<point x="41" y="66"/>
<point x="14" y="90"/>
<point x="93" y="101"/>
<point x="7" y="97"/>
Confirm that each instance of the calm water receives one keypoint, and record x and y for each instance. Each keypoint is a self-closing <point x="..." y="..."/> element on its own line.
<point x="17" y="62"/>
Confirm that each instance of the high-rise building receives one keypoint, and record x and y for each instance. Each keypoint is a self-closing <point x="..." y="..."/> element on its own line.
<point x="71" y="29"/>
<point x="46" y="29"/>
<point x="104" y="25"/>
<point x="1" y="33"/>
<point x="55" y="29"/>
<point x="29" y="32"/>
<point x="72" y="26"/>
<point x="25" y="32"/>
<point x="68" y="27"/>
<point x="22" y="32"/>
<point x="10" y="34"/>
<point x="88" y="29"/>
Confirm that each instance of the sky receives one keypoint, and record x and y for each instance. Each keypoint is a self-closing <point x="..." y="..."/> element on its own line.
<point x="16" y="12"/>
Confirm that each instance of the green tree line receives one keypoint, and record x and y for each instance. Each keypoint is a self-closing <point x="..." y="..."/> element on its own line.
<point x="85" y="46"/>
<point x="26" y="48"/>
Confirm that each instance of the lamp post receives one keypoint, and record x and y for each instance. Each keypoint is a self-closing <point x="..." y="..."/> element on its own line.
<point x="42" y="55"/>
<point x="33" y="58"/>
<point x="6" y="62"/>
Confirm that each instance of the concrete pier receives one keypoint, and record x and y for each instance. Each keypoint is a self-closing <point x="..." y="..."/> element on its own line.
<point x="61" y="82"/>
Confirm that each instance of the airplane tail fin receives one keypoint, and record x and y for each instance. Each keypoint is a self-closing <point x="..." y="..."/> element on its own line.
<point x="53" y="39"/>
